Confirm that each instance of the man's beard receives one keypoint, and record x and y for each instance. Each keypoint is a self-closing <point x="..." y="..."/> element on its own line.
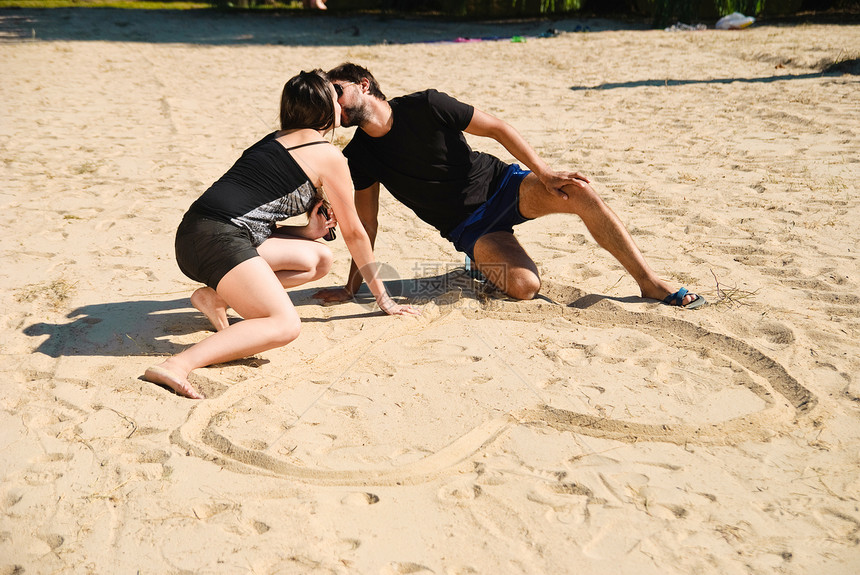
<point x="354" y="115"/>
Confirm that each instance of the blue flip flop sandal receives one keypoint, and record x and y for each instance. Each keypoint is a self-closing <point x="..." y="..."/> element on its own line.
<point x="677" y="299"/>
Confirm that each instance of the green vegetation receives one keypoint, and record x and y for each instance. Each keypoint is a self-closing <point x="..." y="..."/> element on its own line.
<point x="750" y="7"/>
<point x="126" y="4"/>
<point x="147" y="4"/>
<point x="552" y="6"/>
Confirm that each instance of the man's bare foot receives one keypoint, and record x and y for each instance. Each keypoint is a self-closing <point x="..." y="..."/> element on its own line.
<point x="163" y="376"/>
<point x="212" y="306"/>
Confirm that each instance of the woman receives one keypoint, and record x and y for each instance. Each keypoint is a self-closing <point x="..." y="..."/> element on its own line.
<point x="229" y="241"/>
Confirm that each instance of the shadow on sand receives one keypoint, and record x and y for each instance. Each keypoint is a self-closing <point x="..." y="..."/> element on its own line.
<point x="213" y="27"/>
<point x="846" y="67"/>
<point x="150" y="327"/>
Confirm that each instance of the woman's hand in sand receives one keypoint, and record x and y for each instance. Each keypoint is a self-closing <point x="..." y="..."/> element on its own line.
<point x="385" y="303"/>
<point x="391" y="307"/>
<point x="334" y="295"/>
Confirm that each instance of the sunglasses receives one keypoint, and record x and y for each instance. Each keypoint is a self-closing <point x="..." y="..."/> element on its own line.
<point x="338" y="88"/>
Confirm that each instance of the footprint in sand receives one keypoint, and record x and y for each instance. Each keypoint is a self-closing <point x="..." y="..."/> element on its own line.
<point x="360" y="499"/>
<point x="405" y="568"/>
<point x="459" y="491"/>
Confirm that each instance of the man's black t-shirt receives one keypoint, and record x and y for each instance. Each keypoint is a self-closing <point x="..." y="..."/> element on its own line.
<point x="424" y="160"/>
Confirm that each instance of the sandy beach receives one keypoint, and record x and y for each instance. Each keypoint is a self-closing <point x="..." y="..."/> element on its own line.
<point x="588" y="431"/>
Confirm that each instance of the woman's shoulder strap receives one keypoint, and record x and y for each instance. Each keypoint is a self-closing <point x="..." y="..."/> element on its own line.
<point x="307" y="144"/>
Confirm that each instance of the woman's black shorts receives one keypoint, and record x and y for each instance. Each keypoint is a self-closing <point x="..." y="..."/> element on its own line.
<point x="207" y="249"/>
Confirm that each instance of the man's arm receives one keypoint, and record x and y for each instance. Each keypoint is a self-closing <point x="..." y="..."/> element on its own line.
<point x="367" y="208"/>
<point x="486" y="125"/>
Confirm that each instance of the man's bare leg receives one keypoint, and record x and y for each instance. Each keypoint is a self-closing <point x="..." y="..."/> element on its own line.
<point x="604" y="226"/>
<point x="506" y="265"/>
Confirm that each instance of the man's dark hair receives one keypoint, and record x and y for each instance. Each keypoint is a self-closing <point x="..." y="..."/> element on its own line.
<point x="349" y="72"/>
<point x="307" y="102"/>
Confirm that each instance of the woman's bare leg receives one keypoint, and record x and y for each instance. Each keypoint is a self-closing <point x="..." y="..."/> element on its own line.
<point x="212" y="305"/>
<point x="255" y="290"/>
<point x="296" y="261"/>
<point x="270" y="321"/>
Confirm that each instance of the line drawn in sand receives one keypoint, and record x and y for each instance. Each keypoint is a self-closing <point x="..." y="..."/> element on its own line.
<point x="785" y="400"/>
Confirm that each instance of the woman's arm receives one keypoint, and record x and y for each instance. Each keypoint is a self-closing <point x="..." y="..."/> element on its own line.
<point x="338" y="187"/>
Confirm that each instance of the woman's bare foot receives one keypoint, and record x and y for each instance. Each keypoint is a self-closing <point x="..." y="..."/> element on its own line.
<point x="163" y="376"/>
<point x="212" y="306"/>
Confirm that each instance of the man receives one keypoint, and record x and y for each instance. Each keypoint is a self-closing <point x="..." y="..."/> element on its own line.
<point x="414" y="145"/>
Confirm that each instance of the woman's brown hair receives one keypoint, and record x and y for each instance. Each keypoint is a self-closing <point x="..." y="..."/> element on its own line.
<point x="307" y="102"/>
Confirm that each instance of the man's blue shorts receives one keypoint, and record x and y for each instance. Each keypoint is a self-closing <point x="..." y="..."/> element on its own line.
<point x="500" y="213"/>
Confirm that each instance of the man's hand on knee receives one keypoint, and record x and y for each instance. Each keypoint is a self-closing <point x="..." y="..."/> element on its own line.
<point x="555" y="182"/>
